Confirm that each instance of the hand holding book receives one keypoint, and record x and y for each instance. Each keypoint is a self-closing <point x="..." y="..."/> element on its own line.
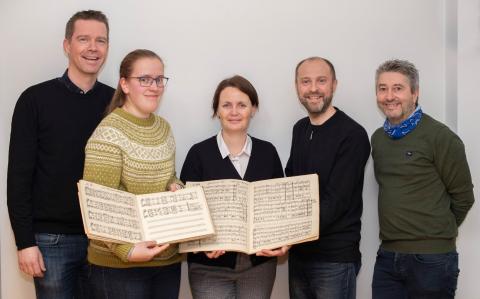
<point x="145" y="251"/>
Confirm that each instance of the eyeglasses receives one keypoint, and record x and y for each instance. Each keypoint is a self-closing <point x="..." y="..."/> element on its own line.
<point x="146" y="81"/>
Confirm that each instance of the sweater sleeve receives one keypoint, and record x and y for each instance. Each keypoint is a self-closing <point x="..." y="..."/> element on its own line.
<point x="192" y="168"/>
<point x="103" y="165"/>
<point x="21" y="168"/>
<point x="103" y="162"/>
<point x="278" y="170"/>
<point x="288" y="167"/>
<point x="451" y="163"/>
<point x="173" y="179"/>
<point x="346" y="175"/>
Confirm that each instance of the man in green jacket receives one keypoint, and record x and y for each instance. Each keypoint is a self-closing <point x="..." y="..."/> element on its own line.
<point x="425" y="192"/>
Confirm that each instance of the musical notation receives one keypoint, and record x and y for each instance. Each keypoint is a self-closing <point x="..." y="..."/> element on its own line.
<point x="264" y="214"/>
<point x="119" y="216"/>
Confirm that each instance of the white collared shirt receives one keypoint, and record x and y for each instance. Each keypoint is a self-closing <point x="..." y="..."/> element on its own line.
<point x="240" y="161"/>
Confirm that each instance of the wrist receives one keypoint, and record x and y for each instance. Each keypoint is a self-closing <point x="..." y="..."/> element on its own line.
<point x="129" y="254"/>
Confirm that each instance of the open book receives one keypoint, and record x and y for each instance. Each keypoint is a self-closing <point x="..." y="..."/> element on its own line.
<point x="121" y="217"/>
<point x="259" y="215"/>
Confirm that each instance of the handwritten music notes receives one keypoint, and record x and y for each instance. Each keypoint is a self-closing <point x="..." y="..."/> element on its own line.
<point x="265" y="214"/>
<point x="166" y="217"/>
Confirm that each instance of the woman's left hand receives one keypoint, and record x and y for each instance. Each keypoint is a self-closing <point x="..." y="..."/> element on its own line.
<point x="174" y="187"/>
<point x="274" y="252"/>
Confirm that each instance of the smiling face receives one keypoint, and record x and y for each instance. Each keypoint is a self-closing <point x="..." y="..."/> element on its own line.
<point x="395" y="96"/>
<point x="234" y="110"/>
<point x="86" y="49"/>
<point x="141" y="101"/>
<point x="315" y="86"/>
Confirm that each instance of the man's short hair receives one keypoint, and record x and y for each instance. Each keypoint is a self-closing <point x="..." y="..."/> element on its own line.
<point x="403" y="67"/>
<point x="85" y="15"/>
<point x="330" y="65"/>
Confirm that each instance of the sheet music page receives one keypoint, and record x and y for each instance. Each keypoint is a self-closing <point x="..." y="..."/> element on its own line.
<point x="109" y="214"/>
<point x="227" y="201"/>
<point x="173" y="216"/>
<point x="284" y="211"/>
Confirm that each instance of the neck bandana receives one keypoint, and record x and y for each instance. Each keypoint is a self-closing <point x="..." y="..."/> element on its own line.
<point x="405" y="127"/>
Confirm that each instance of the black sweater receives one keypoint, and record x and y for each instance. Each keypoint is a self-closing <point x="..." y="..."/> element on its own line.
<point x="204" y="162"/>
<point x="337" y="151"/>
<point x="50" y="127"/>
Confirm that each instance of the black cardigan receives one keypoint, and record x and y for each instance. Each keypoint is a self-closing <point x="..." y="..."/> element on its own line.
<point x="204" y="162"/>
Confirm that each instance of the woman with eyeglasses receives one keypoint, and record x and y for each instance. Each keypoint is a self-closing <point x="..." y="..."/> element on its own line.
<point x="232" y="154"/>
<point x="133" y="149"/>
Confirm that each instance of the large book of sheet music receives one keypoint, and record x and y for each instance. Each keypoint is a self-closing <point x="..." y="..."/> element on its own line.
<point x="268" y="214"/>
<point x="122" y="217"/>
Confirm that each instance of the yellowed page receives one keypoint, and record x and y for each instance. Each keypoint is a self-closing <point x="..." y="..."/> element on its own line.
<point x="175" y="216"/>
<point x="227" y="201"/>
<point x="121" y="217"/>
<point x="109" y="214"/>
<point x="285" y="211"/>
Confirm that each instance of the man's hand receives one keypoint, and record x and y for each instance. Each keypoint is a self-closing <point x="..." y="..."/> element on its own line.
<point x="30" y="261"/>
<point x="274" y="252"/>
<point x="146" y="251"/>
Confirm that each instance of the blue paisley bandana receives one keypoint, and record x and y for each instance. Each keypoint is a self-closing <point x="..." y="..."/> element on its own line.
<point x="405" y="127"/>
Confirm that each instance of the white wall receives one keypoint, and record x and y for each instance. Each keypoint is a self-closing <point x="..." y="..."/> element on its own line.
<point x="468" y="109"/>
<point x="203" y="42"/>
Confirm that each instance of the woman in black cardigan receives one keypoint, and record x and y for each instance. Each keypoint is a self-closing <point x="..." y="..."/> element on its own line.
<point x="233" y="154"/>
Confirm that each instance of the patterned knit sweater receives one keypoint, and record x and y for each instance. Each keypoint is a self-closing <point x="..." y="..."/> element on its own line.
<point x="136" y="155"/>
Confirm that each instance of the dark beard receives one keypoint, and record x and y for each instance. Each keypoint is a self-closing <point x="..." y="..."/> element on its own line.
<point x="327" y="101"/>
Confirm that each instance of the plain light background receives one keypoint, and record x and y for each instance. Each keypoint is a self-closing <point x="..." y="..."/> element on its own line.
<point x="203" y="42"/>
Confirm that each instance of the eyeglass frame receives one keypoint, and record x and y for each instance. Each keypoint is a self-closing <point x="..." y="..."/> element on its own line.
<point x="158" y="80"/>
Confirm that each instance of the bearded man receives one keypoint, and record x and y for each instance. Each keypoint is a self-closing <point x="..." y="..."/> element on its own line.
<point x="333" y="145"/>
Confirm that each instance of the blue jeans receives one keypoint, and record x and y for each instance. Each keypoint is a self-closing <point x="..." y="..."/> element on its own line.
<point x="132" y="283"/>
<point x="65" y="258"/>
<point x="399" y="275"/>
<point x="314" y="279"/>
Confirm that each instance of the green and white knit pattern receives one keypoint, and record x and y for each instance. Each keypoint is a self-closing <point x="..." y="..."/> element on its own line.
<point x="136" y="155"/>
<point x="129" y="153"/>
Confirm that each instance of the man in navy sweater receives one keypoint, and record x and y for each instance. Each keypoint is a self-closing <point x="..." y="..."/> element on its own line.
<point x="50" y="127"/>
<point x="331" y="144"/>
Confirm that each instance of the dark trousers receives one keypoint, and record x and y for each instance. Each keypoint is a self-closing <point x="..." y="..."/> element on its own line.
<point x="415" y="276"/>
<point x="65" y="258"/>
<point x="311" y="279"/>
<point x="134" y="283"/>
